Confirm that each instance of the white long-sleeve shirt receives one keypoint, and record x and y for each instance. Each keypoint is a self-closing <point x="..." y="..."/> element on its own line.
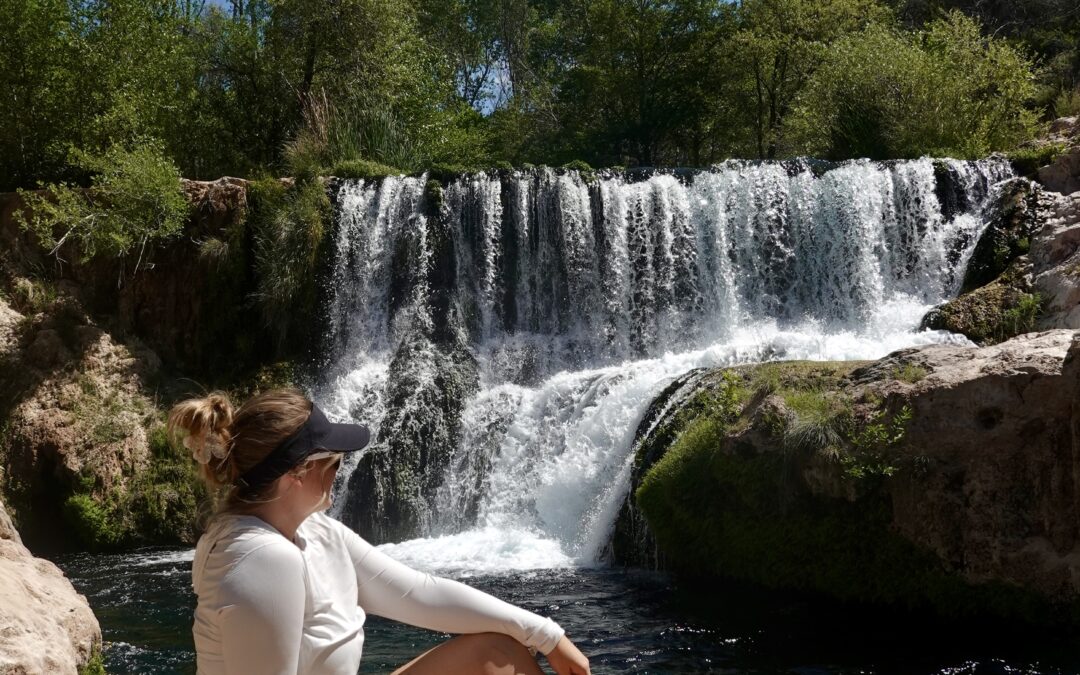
<point x="269" y="606"/>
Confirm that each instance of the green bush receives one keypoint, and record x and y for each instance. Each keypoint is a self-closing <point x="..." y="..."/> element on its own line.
<point x="1026" y="161"/>
<point x="361" y="169"/>
<point x="289" y="225"/>
<point x="946" y="91"/>
<point x="133" y="202"/>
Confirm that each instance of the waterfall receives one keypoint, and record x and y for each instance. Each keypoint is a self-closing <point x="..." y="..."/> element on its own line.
<point x="515" y="326"/>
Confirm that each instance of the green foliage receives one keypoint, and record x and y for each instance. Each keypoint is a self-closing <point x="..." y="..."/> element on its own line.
<point x="288" y="225"/>
<point x="231" y="88"/>
<point x="1022" y="318"/>
<point x="818" y="422"/>
<point x="134" y="201"/>
<point x="870" y="442"/>
<point x="946" y="91"/>
<point x="93" y="522"/>
<point x="780" y="46"/>
<point x="361" y="169"/>
<point x="158" y="505"/>
<point x="1027" y="160"/>
<point x="587" y="173"/>
<point x="910" y="373"/>
<point x="96" y="664"/>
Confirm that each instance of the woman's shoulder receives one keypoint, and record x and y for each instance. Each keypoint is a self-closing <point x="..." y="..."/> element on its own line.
<point x="321" y="526"/>
<point x="234" y="539"/>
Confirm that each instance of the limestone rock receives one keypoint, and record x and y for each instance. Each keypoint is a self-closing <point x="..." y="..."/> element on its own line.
<point x="1063" y="175"/>
<point x="46" y="627"/>
<point x="1055" y="253"/>
<point x="998" y="493"/>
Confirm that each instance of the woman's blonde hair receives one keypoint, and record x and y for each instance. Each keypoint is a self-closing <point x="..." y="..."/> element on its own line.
<point x="232" y="442"/>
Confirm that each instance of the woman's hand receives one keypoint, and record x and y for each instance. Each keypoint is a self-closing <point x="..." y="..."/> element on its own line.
<point x="567" y="659"/>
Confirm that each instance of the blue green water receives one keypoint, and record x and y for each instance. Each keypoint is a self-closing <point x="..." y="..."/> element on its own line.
<point x="625" y="621"/>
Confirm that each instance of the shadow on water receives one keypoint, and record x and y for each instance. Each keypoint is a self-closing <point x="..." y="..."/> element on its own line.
<point x="624" y="620"/>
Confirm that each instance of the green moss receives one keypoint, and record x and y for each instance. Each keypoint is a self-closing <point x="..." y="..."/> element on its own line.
<point x="716" y="512"/>
<point x="362" y="169"/>
<point x="159" y="505"/>
<point x="588" y="174"/>
<point x="990" y="314"/>
<point x="445" y="173"/>
<point x="910" y="373"/>
<point x="434" y="192"/>
<point x="93" y="521"/>
<point x="96" y="664"/>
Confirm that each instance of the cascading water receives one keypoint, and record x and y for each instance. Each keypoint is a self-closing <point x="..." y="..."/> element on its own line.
<point x="525" y="321"/>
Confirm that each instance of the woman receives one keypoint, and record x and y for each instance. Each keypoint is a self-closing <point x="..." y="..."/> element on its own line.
<point x="282" y="588"/>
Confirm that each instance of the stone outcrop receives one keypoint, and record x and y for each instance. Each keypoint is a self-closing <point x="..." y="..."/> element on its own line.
<point x="1055" y="255"/>
<point x="1025" y="274"/>
<point x="942" y="476"/>
<point x="1063" y="174"/>
<point x="46" y="628"/>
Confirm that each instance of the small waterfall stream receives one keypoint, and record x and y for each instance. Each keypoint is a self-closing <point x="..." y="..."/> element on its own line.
<point x="504" y="334"/>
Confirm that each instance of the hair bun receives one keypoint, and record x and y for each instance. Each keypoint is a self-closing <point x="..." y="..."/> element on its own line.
<point x="202" y="425"/>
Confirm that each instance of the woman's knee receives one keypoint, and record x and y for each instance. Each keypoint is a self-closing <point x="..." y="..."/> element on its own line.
<point x="500" y="654"/>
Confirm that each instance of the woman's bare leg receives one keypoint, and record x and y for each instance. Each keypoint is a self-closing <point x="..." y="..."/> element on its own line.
<point x="479" y="654"/>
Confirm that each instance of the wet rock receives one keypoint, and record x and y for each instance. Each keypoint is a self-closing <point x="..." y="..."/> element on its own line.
<point x="1008" y="235"/>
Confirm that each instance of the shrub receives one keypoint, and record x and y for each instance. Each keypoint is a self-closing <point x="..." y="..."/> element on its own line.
<point x="134" y="201"/>
<point x="945" y="91"/>
<point x="288" y="225"/>
<point x="1026" y="161"/>
<point x="361" y="169"/>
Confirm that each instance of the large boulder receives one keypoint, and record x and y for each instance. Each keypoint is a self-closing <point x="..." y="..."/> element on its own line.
<point x="942" y="476"/>
<point x="46" y="627"/>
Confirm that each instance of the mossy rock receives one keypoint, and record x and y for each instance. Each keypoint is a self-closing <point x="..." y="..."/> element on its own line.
<point x="993" y="313"/>
<point x="587" y="173"/>
<point x="720" y="510"/>
<point x="160" y="505"/>
<point x="1008" y="236"/>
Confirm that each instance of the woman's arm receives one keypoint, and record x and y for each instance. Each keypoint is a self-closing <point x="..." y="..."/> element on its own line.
<point x="390" y="589"/>
<point x="263" y="616"/>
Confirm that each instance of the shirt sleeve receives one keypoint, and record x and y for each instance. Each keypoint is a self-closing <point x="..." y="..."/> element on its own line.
<point x="262" y="619"/>
<point x="393" y="590"/>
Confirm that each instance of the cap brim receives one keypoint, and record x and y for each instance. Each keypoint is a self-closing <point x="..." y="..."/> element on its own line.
<point x="346" y="437"/>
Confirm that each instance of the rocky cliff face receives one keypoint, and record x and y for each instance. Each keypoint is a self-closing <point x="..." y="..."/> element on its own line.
<point x="47" y="627"/>
<point x="941" y="476"/>
<point x="85" y="462"/>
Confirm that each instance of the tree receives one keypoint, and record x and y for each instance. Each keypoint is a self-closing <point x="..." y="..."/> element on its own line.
<point x="779" y="45"/>
<point x="945" y="91"/>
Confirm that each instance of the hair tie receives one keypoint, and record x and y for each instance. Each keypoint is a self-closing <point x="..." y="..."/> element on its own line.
<point x="205" y="446"/>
